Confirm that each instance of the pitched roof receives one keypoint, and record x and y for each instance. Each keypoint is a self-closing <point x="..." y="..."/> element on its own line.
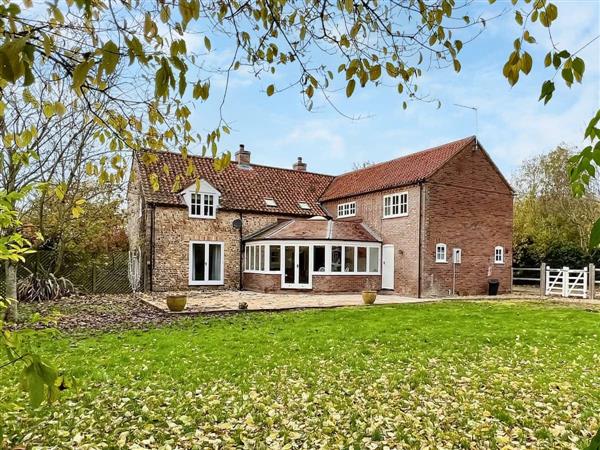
<point x="303" y="229"/>
<point x="241" y="188"/>
<point x="402" y="171"/>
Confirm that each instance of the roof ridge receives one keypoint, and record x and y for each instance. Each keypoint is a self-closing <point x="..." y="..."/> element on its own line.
<point x="236" y="163"/>
<point x="419" y="152"/>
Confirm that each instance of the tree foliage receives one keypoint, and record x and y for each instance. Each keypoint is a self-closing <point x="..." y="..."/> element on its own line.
<point x="550" y="224"/>
<point x="38" y="377"/>
<point x="364" y="43"/>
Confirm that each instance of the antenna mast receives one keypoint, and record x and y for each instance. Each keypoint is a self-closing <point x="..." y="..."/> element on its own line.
<point x="474" y="108"/>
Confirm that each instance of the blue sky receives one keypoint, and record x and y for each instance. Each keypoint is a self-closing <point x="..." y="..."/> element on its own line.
<point x="513" y="125"/>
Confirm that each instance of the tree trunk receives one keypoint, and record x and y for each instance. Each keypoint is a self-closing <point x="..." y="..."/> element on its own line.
<point x="11" y="313"/>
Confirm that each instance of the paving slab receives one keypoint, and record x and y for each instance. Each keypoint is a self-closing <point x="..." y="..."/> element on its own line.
<point x="222" y="301"/>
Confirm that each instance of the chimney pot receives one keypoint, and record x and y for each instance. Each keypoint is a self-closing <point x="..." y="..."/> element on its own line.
<point x="299" y="165"/>
<point x="242" y="156"/>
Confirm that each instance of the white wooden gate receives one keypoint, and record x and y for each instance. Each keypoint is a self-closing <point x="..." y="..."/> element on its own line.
<point x="567" y="282"/>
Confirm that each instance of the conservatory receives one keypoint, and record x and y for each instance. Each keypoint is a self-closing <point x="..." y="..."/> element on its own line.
<point x="319" y="255"/>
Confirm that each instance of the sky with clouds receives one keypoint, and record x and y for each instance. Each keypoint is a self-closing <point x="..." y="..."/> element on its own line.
<point x="513" y="124"/>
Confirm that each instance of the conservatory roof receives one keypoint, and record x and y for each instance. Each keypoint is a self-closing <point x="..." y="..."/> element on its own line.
<point x="315" y="230"/>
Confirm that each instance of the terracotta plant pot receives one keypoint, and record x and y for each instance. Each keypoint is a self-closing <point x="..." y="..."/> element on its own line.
<point x="369" y="297"/>
<point x="176" y="303"/>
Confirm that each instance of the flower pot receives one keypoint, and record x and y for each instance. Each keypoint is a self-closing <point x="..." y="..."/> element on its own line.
<point x="176" y="303"/>
<point x="369" y="297"/>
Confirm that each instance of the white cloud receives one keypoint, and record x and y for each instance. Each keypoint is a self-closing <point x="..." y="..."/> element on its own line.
<point x="315" y="134"/>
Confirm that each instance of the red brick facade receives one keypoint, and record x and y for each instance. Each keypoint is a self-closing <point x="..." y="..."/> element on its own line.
<point x="402" y="232"/>
<point x="468" y="206"/>
<point x="320" y="283"/>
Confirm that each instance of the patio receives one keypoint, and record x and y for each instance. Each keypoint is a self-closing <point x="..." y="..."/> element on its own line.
<point x="223" y="301"/>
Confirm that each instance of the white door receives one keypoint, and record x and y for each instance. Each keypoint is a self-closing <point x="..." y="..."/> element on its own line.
<point x="387" y="267"/>
<point x="296" y="267"/>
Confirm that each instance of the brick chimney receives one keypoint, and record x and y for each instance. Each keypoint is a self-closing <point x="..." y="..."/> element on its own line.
<point x="299" y="165"/>
<point x="242" y="156"/>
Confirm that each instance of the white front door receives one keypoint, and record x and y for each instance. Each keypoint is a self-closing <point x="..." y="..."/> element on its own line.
<point x="387" y="267"/>
<point x="296" y="267"/>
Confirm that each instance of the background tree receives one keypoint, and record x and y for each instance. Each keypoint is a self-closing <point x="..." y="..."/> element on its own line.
<point x="48" y="143"/>
<point x="97" y="226"/>
<point x="550" y="224"/>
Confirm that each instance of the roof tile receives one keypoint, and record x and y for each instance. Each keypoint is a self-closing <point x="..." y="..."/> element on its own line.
<point x="303" y="229"/>
<point x="402" y="171"/>
<point x="242" y="188"/>
<point x="245" y="188"/>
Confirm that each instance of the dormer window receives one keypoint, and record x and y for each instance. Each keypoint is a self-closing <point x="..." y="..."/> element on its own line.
<point x="203" y="202"/>
<point x="303" y="205"/>
<point x="202" y="205"/>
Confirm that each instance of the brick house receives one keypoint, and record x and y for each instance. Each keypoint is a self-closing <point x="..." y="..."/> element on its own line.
<point x="431" y="223"/>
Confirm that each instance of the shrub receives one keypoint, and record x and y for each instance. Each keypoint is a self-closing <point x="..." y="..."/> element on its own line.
<point x="39" y="287"/>
<point x="566" y="254"/>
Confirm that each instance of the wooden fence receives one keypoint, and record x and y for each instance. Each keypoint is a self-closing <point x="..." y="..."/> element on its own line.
<point x="100" y="274"/>
<point x="557" y="281"/>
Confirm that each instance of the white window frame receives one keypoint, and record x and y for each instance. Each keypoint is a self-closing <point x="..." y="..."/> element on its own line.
<point x="328" y="249"/>
<point x="498" y="254"/>
<point x="206" y="281"/>
<point x="346" y="209"/>
<point x="199" y="198"/>
<point x="259" y="261"/>
<point x="441" y="246"/>
<point x="202" y="205"/>
<point x="397" y="199"/>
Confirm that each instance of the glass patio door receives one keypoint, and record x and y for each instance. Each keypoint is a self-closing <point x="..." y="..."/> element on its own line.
<point x="206" y="263"/>
<point x="296" y="267"/>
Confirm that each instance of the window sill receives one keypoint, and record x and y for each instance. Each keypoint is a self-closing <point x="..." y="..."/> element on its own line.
<point x="499" y="263"/>
<point x="206" y="283"/>
<point x="441" y="262"/>
<point x="202" y="217"/>
<point x="345" y="217"/>
<point x="344" y="273"/>
<point x="264" y="272"/>
<point x="395" y="216"/>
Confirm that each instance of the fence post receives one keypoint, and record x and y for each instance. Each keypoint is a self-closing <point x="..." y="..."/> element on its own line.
<point x="566" y="279"/>
<point x="591" y="281"/>
<point x="543" y="280"/>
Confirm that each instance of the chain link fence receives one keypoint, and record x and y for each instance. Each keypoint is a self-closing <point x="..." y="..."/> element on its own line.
<point x="97" y="274"/>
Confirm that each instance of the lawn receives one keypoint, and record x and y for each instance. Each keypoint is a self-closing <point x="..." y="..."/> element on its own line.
<point x="442" y="375"/>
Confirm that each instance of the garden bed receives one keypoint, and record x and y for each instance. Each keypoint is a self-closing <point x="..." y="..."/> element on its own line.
<point x="96" y="312"/>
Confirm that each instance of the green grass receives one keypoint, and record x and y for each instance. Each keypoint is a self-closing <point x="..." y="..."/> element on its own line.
<point x="443" y="375"/>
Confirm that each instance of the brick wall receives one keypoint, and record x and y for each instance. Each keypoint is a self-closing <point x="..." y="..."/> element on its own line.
<point x="174" y="229"/>
<point x="402" y="232"/>
<point x="262" y="282"/>
<point x="467" y="206"/>
<point x="321" y="283"/>
<point x="345" y="283"/>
